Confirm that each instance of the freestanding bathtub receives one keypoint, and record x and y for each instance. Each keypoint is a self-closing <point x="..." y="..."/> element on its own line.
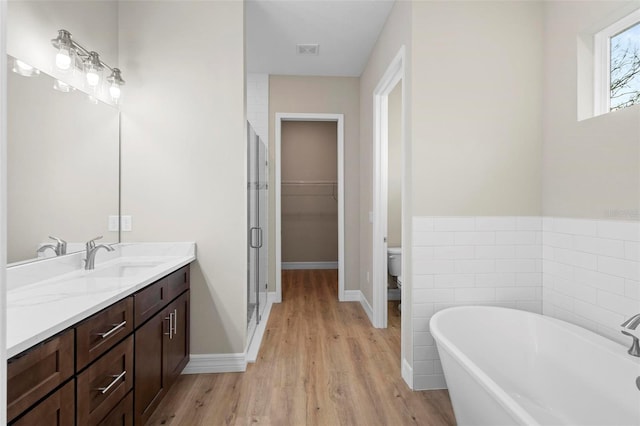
<point x="508" y="367"/>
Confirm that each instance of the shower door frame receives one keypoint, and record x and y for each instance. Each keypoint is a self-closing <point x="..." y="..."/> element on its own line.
<point x="339" y="120"/>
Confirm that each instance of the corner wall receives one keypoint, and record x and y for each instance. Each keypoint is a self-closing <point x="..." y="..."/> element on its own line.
<point x="395" y="34"/>
<point x="184" y="151"/>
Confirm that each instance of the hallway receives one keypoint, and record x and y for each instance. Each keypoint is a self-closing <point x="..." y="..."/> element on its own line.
<point x="321" y="363"/>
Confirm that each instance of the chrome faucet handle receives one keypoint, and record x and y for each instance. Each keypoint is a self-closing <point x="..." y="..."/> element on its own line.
<point x="632" y="323"/>
<point x="92" y="242"/>
<point x="61" y="245"/>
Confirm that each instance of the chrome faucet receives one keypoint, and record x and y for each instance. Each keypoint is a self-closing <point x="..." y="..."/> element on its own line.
<point x="92" y="248"/>
<point x="631" y="324"/>
<point x="59" y="248"/>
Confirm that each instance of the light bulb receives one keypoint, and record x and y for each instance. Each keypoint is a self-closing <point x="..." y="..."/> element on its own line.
<point x="63" y="58"/>
<point x="114" y="91"/>
<point x="93" y="78"/>
<point x="92" y="68"/>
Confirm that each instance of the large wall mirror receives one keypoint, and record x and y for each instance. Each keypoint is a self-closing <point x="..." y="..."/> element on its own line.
<point x="63" y="153"/>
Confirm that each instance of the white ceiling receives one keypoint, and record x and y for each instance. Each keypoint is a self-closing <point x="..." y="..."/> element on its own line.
<point x="346" y="31"/>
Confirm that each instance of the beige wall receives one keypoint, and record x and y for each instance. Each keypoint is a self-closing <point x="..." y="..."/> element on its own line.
<point x="330" y="95"/>
<point x="591" y="167"/>
<point x="184" y="157"/>
<point x="394" y="172"/>
<point x="395" y="34"/>
<point x="32" y="24"/>
<point x="309" y="156"/>
<point x="477" y="94"/>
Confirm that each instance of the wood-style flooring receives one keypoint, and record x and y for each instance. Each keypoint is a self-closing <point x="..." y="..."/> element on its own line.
<point x="321" y="363"/>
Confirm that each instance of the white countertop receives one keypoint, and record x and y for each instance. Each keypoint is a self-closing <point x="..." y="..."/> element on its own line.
<point x="38" y="310"/>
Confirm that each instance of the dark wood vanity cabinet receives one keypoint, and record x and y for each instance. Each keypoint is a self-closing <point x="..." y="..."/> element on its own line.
<point x="110" y="369"/>
<point x="162" y="352"/>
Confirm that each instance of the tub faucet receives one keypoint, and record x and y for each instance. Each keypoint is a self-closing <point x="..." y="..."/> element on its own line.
<point x="92" y="248"/>
<point x="60" y="248"/>
<point x="631" y="324"/>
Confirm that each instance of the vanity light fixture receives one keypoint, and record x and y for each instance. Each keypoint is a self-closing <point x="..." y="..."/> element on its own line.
<point x="70" y="52"/>
<point x="24" y="69"/>
<point x="116" y="82"/>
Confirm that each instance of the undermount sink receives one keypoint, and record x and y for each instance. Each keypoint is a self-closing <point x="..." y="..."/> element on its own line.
<point x="121" y="270"/>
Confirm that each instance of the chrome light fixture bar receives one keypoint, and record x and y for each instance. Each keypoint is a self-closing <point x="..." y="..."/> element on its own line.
<point x="92" y="65"/>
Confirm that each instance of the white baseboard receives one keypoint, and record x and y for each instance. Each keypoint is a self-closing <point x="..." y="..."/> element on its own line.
<point x="367" y="307"/>
<point x="351" y="296"/>
<point x="215" y="363"/>
<point x="309" y="265"/>
<point x="407" y="373"/>
<point x="253" y="346"/>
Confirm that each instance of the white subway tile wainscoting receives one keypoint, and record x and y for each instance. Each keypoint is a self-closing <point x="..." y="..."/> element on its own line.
<point x="470" y="261"/>
<point x="586" y="272"/>
<point x="591" y="270"/>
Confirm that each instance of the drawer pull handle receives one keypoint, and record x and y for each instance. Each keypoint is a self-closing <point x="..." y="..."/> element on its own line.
<point x="170" y="318"/>
<point x="115" y="328"/>
<point x="115" y="380"/>
<point x="175" y="322"/>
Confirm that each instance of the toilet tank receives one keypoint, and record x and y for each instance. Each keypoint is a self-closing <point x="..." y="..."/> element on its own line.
<point x="394" y="261"/>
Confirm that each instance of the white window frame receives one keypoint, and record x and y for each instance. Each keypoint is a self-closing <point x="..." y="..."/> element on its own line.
<point x="602" y="60"/>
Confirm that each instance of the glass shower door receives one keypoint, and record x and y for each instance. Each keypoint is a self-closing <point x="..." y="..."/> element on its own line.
<point x="257" y="197"/>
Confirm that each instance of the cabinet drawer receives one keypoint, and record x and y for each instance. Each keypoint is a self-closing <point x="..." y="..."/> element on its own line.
<point x="122" y="414"/>
<point x="56" y="410"/>
<point x="103" y="385"/>
<point x="178" y="282"/>
<point x="38" y="371"/>
<point x="150" y="300"/>
<point x="97" y="334"/>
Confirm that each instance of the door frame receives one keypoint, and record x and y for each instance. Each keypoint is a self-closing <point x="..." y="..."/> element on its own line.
<point x="339" y="119"/>
<point x="3" y="209"/>
<point x="394" y="74"/>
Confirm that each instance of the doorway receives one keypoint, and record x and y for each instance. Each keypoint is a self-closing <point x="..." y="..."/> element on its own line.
<point x="320" y="186"/>
<point x="393" y="77"/>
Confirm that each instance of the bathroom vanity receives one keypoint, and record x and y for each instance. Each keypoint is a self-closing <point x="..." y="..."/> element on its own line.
<point x="98" y="347"/>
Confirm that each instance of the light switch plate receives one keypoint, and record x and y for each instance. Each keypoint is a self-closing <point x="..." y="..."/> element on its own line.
<point x="126" y="223"/>
<point x="114" y="224"/>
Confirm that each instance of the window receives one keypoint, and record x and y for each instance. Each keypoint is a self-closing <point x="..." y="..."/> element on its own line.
<point x="617" y="67"/>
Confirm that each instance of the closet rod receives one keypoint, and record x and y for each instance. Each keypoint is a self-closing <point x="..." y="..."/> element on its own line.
<point x="309" y="182"/>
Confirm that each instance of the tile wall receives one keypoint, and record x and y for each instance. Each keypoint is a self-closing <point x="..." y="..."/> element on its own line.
<point x="470" y="261"/>
<point x="586" y="272"/>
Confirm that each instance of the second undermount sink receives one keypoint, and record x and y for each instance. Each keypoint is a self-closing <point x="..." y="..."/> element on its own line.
<point x="124" y="269"/>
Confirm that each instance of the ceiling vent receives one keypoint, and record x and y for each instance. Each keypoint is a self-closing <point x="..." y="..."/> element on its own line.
<point x="307" y="49"/>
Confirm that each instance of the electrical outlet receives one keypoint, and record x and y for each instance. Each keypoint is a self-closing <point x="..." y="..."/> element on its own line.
<point x="126" y="223"/>
<point x="114" y="223"/>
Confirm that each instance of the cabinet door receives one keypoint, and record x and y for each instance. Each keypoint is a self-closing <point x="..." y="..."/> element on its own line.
<point x="56" y="410"/>
<point x="150" y="363"/>
<point x="177" y="347"/>
<point x="121" y="415"/>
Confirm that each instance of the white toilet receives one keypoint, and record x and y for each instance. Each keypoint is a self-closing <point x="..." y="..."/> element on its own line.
<point x="394" y="265"/>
